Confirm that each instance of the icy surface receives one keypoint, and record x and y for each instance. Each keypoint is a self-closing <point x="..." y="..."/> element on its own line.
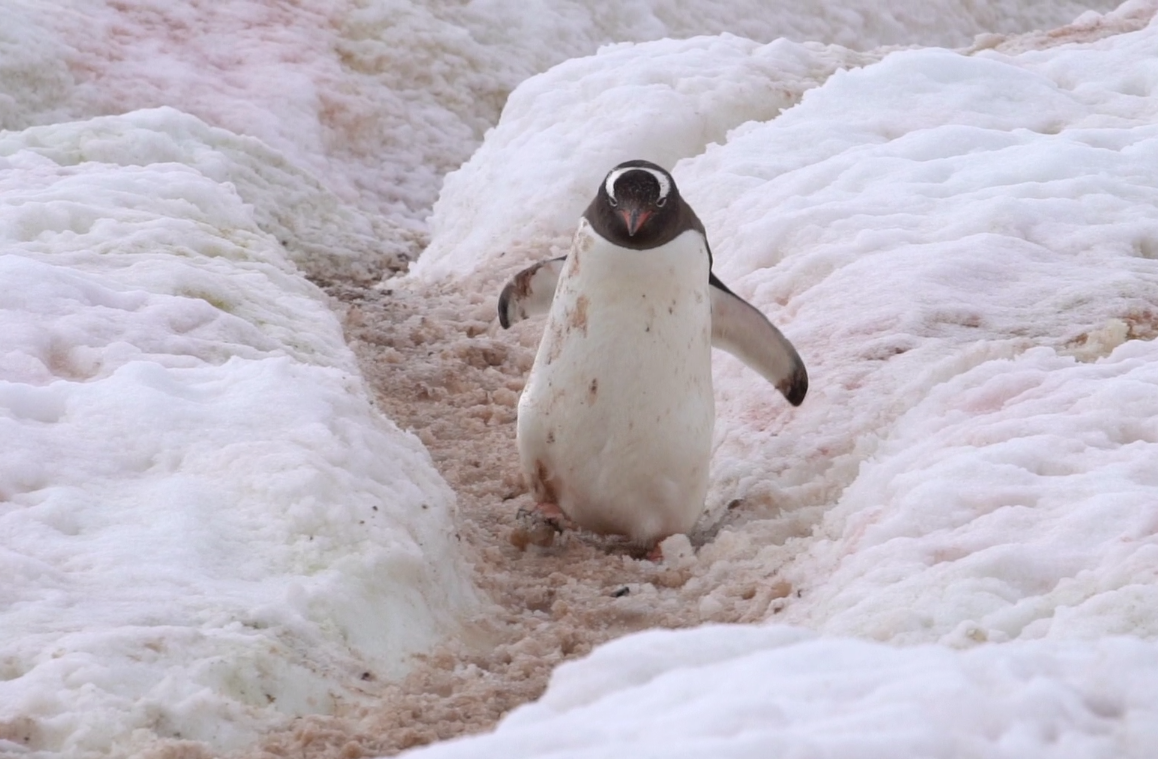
<point x="205" y="526"/>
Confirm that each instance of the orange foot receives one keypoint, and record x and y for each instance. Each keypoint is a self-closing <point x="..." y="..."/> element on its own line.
<point x="655" y="554"/>
<point x="549" y="512"/>
<point x="538" y="525"/>
<point x="545" y="513"/>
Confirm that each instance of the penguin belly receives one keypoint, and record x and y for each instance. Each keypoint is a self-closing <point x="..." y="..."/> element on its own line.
<point x="615" y="422"/>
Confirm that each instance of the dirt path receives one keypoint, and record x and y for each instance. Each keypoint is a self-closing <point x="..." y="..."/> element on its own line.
<point x="440" y="366"/>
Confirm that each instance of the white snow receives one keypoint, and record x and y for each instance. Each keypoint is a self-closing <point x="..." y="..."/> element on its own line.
<point x="951" y="258"/>
<point x="562" y="130"/>
<point x="775" y="691"/>
<point x="382" y="98"/>
<point x="206" y="528"/>
<point x="962" y="247"/>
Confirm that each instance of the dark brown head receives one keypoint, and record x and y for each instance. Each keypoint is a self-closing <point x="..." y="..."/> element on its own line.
<point x="638" y="206"/>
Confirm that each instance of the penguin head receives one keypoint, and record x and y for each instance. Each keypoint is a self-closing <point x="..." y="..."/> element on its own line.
<point x="639" y="208"/>
<point x="637" y="198"/>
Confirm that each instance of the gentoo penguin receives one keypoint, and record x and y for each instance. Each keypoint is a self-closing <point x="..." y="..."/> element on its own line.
<point x="615" y="421"/>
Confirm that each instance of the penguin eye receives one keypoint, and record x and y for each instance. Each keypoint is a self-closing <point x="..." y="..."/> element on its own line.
<point x="612" y="201"/>
<point x="661" y="202"/>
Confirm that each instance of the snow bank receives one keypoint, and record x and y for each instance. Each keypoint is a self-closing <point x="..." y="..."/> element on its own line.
<point x="943" y="256"/>
<point x="520" y="195"/>
<point x="1016" y="499"/>
<point x="326" y="237"/>
<point x="381" y="99"/>
<point x="737" y="692"/>
<point x="206" y="528"/>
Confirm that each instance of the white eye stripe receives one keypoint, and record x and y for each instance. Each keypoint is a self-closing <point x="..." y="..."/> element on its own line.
<point x="613" y="177"/>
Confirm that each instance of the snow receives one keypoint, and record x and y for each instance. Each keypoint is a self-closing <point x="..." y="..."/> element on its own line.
<point x="207" y="528"/>
<point x="1019" y="238"/>
<point x="961" y="244"/>
<point x="383" y="98"/>
<point x="661" y="101"/>
<point x="734" y="691"/>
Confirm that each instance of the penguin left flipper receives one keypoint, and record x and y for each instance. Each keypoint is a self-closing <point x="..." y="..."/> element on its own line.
<point x="530" y="292"/>
<point x="739" y="328"/>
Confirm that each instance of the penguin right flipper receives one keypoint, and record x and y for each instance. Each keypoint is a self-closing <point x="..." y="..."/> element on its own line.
<point x="739" y="328"/>
<point x="530" y="292"/>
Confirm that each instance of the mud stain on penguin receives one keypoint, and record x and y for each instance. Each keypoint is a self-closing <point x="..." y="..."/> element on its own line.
<point x="577" y="318"/>
<point x="541" y="484"/>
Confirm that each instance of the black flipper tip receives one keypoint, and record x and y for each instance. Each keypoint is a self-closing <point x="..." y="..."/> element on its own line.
<point x="504" y="304"/>
<point x="796" y="387"/>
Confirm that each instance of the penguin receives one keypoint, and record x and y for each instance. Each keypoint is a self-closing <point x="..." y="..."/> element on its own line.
<point x="615" y="421"/>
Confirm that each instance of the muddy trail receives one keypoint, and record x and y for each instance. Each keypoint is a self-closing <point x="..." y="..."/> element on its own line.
<point x="440" y="366"/>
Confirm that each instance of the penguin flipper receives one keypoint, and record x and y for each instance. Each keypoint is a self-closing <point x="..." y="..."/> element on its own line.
<point x="739" y="328"/>
<point x="530" y="292"/>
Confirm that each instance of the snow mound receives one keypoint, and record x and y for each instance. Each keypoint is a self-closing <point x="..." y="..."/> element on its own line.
<point x="739" y="692"/>
<point x="326" y="237"/>
<point x="1015" y="499"/>
<point x="206" y="526"/>
<point x="943" y="256"/>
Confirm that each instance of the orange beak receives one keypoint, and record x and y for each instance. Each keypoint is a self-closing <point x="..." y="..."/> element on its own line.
<point x="634" y="218"/>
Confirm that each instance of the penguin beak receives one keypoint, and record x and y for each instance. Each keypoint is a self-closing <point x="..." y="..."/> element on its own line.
<point x="634" y="218"/>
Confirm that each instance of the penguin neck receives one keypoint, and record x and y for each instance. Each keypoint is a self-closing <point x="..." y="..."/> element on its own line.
<point x="603" y="270"/>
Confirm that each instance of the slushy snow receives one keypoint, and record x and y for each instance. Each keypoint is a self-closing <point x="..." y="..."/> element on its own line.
<point x="206" y="528"/>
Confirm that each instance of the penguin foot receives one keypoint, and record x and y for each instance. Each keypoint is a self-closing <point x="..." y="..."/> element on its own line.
<point x="546" y="512"/>
<point x="538" y="525"/>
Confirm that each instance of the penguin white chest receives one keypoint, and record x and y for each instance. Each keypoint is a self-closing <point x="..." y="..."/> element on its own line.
<point x="615" y="423"/>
